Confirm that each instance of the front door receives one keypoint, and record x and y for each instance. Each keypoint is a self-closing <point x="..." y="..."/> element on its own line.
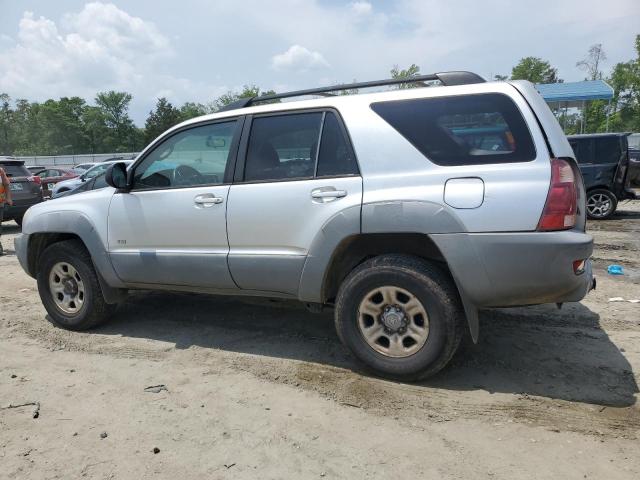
<point x="296" y="173"/>
<point x="170" y="229"/>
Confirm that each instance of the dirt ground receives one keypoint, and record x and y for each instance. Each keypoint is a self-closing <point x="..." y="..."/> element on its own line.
<point x="263" y="389"/>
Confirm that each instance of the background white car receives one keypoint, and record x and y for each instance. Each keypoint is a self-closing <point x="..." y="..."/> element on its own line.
<point x="73" y="183"/>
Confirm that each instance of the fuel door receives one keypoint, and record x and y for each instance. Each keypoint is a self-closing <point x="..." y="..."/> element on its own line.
<point x="464" y="192"/>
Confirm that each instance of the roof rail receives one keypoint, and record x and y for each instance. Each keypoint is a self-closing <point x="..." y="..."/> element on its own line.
<point x="446" y="78"/>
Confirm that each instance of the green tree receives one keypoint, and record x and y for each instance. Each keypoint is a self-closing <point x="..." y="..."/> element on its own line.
<point x="162" y="118"/>
<point x="122" y="134"/>
<point x="535" y="70"/>
<point x="6" y="125"/>
<point x="625" y="80"/>
<point x="26" y="125"/>
<point x="412" y="71"/>
<point x="593" y="62"/>
<point x="95" y="129"/>
<point x="191" y="110"/>
<point x="248" y="91"/>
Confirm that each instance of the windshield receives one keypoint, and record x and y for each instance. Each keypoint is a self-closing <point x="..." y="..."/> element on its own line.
<point x="95" y="171"/>
<point x="102" y="168"/>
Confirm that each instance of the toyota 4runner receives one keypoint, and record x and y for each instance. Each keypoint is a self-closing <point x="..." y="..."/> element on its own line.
<point x="405" y="210"/>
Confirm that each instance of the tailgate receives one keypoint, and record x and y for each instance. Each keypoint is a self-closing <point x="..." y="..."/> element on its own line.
<point x="23" y="189"/>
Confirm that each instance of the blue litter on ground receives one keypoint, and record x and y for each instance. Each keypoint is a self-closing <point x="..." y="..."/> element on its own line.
<point x="615" y="270"/>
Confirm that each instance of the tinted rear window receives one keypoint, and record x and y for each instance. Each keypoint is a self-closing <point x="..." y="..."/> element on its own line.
<point x="13" y="170"/>
<point x="608" y="150"/>
<point x="462" y="130"/>
<point x="583" y="150"/>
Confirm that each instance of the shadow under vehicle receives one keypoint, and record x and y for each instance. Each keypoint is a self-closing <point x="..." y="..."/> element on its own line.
<point x="524" y="350"/>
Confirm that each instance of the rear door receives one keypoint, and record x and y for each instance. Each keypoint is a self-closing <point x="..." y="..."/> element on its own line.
<point x="609" y="166"/>
<point x="296" y="170"/>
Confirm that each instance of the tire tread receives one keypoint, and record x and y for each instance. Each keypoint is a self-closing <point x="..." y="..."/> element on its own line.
<point x="422" y="271"/>
<point x="98" y="310"/>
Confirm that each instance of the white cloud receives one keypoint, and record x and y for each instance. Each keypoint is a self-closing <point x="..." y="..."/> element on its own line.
<point x="228" y="44"/>
<point x="98" y="48"/>
<point x="361" y="8"/>
<point x="298" y="58"/>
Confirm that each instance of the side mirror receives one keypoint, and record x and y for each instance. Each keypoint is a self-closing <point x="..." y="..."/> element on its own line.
<point x="116" y="176"/>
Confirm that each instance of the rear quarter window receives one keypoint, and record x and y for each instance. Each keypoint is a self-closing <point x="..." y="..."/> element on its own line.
<point x="464" y="130"/>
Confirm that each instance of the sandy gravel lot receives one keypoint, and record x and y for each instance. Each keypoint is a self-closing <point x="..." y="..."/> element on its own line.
<point x="263" y="389"/>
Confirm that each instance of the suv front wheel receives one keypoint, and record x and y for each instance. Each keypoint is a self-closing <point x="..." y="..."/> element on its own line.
<point x="69" y="288"/>
<point x="400" y="316"/>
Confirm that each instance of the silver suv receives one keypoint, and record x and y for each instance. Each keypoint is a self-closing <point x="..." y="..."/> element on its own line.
<point x="405" y="211"/>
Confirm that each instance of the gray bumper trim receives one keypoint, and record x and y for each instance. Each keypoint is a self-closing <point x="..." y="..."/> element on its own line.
<point x="509" y="269"/>
<point x="21" y="243"/>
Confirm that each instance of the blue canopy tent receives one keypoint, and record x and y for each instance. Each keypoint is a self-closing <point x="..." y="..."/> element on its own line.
<point x="575" y="95"/>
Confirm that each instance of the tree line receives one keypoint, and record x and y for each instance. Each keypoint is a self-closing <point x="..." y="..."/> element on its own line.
<point x="70" y="125"/>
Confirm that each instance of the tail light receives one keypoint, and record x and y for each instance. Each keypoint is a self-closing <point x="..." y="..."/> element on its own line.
<point x="562" y="200"/>
<point x="35" y="179"/>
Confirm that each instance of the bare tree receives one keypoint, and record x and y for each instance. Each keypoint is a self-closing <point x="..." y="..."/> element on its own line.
<point x="591" y="64"/>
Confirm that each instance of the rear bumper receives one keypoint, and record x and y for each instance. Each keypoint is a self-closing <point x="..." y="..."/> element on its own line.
<point x="510" y="269"/>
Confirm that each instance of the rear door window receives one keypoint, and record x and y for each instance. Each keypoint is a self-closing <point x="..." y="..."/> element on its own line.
<point x="464" y="130"/>
<point x="336" y="158"/>
<point x="583" y="150"/>
<point x="283" y="147"/>
<point x="296" y="146"/>
<point x="607" y="150"/>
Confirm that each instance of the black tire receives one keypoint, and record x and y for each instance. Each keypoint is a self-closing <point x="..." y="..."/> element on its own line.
<point x="594" y="197"/>
<point x="94" y="309"/>
<point x="432" y="286"/>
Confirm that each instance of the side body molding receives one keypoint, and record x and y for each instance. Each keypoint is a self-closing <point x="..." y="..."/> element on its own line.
<point x="380" y="217"/>
<point x="78" y="223"/>
<point x="344" y="224"/>
<point x="409" y="216"/>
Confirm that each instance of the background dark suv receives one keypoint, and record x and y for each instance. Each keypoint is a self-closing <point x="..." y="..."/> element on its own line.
<point x="26" y="189"/>
<point x="604" y="162"/>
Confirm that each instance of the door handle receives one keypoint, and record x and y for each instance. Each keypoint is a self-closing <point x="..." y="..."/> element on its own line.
<point x="327" y="194"/>
<point x="207" y="200"/>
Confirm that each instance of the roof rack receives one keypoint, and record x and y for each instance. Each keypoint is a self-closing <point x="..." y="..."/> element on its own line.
<point x="446" y="78"/>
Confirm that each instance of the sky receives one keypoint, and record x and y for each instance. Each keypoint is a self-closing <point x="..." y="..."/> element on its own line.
<point x="196" y="50"/>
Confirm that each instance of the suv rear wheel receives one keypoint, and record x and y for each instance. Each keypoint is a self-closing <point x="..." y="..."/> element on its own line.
<point x="400" y="316"/>
<point x="601" y="204"/>
<point x="69" y="288"/>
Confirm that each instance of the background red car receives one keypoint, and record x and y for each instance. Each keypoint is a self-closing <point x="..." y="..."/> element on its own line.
<point x="51" y="176"/>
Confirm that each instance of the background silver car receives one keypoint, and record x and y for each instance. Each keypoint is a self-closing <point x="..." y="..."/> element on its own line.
<point x="92" y="172"/>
